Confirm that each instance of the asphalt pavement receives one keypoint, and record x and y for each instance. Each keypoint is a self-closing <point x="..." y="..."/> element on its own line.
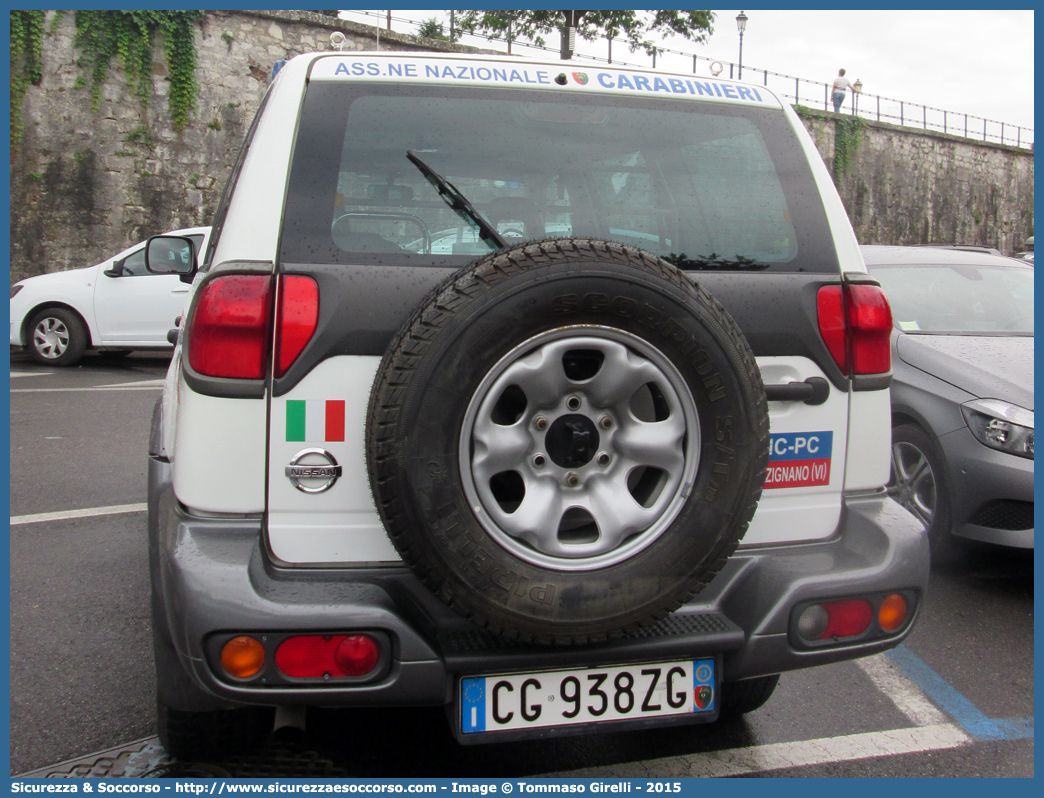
<point x="955" y="700"/>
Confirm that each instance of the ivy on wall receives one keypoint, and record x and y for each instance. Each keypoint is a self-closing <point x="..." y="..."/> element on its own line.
<point x="803" y="111"/>
<point x="131" y="35"/>
<point x="26" y="45"/>
<point x="847" y="135"/>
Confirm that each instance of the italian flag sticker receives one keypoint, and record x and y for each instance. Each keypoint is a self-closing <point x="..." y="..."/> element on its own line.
<point x="315" y="420"/>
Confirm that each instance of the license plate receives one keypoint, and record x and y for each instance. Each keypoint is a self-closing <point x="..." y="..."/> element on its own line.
<point x="586" y="695"/>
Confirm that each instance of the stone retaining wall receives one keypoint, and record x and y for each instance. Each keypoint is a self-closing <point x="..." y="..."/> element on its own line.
<point x="905" y="186"/>
<point x="86" y="184"/>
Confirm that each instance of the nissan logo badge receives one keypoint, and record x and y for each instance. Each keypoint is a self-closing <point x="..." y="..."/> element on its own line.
<point x="328" y="471"/>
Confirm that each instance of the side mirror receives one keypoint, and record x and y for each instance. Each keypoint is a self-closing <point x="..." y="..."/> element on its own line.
<point x="116" y="270"/>
<point x="171" y="255"/>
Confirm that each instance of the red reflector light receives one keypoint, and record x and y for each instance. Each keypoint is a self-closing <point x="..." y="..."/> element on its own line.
<point x="229" y="332"/>
<point x="296" y="320"/>
<point x="316" y="656"/>
<point x="856" y="325"/>
<point x="846" y="618"/>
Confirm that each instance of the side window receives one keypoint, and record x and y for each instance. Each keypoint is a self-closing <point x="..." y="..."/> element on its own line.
<point x="134" y="264"/>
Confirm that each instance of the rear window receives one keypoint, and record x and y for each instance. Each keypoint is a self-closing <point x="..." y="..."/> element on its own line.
<point x="959" y="299"/>
<point x="704" y="185"/>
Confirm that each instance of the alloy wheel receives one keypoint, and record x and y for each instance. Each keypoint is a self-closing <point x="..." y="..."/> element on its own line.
<point x="913" y="482"/>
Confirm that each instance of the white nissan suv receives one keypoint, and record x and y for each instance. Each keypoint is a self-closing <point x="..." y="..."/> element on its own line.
<point x="502" y="384"/>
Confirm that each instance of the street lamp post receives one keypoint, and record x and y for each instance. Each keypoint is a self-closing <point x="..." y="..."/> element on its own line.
<point x="741" y="23"/>
<point x="857" y="87"/>
<point x="569" y="33"/>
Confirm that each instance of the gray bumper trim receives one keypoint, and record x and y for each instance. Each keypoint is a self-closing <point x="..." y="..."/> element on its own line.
<point x="211" y="576"/>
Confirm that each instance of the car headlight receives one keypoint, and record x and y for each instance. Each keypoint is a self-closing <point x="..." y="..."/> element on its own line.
<point x="1001" y="425"/>
<point x="15" y="289"/>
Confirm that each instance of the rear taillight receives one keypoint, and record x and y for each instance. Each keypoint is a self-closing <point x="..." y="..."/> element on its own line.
<point x="870" y="329"/>
<point x="856" y="325"/>
<point x="296" y="319"/>
<point x="230" y="331"/>
<point x="835" y="619"/>
<point x="832" y="324"/>
<point x="326" y="656"/>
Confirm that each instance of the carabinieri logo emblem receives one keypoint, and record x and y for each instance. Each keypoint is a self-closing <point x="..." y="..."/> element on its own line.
<point x="580" y="77"/>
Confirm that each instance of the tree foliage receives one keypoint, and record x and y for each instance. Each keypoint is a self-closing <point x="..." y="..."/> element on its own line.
<point x="635" y="27"/>
<point x="432" y="29"/>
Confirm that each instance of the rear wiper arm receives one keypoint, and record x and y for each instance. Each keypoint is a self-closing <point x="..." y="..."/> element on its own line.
<point x="451" y="194"/>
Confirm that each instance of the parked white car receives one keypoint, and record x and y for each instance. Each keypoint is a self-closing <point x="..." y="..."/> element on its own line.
<point x="115" y="305"/>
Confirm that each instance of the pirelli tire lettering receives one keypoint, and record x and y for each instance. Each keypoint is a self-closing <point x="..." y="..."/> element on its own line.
<point x="512" y="332"/>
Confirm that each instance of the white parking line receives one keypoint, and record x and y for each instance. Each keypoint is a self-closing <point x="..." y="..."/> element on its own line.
<point x="64" y="515"/>
<point x="140" y="384"/>
<point x="779" y="756"/>
<point x="147" y="385"/>
<point x="932" y="732"/>
<point x="907" y="696"/>
<point x="16" y="374"/>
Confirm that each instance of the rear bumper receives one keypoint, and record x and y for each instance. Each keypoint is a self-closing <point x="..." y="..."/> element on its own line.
<point x="979" y="476"/>
<point x="212" y="577"/>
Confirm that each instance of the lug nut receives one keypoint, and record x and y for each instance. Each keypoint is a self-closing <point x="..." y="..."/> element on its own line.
<point x="572" y="480"/>
<point x="541" y="423"/>
<point x="606" y="422"/>
<point x="573" y="403"/>
<point x="539" y="461"/>
<point x="603" y="459"/>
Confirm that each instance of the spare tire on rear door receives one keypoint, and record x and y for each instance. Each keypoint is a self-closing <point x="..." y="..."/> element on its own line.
<point x="567" y="440"/>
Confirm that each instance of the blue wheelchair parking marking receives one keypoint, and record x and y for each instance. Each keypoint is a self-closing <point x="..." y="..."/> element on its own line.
<point x="969" y="716"/>
<point x="473" y="705"/>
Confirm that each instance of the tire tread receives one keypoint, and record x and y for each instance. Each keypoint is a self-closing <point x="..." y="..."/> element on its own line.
<point x="439" y="309"/>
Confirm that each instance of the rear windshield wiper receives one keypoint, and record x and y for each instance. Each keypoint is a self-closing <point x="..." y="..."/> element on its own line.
<point x="451" y="194"/>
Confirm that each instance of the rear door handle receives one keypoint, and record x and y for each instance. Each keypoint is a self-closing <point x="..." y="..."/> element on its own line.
<point x="813" y="391"/>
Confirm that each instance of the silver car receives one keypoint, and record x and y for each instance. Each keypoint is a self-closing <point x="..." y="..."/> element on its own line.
<point x="962" y="395"/>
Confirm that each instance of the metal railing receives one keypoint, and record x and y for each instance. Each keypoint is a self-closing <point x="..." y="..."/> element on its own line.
<point x="800" y="91"/>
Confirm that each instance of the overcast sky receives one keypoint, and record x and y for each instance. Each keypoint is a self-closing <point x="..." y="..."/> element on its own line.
<point x="974" y="62"/>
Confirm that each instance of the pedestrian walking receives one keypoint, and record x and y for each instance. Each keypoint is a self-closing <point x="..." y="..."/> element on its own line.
<point x="840" y="88"/>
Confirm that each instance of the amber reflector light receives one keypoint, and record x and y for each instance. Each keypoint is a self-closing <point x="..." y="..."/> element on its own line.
<point x="892" y="613"/>
<point x="243" y="657"/>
